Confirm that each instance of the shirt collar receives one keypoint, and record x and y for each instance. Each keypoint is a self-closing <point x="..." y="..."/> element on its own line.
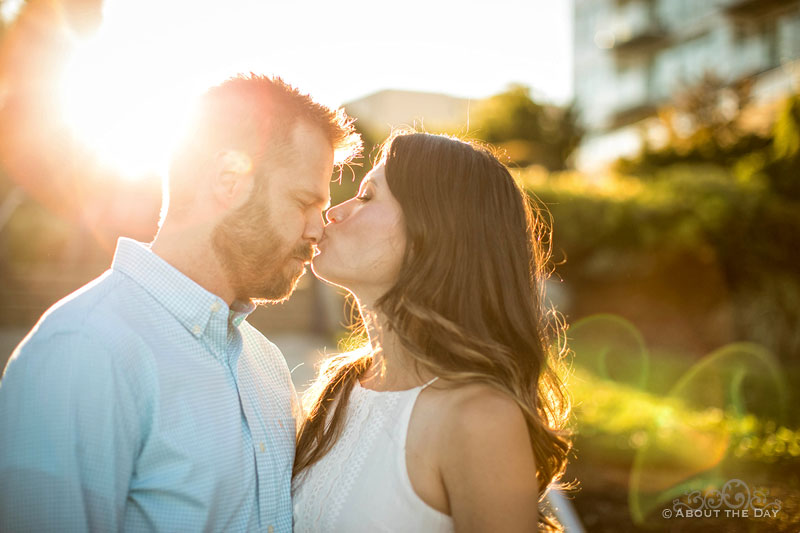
<point x="239" y="311"/>
<point x="192" y="305"/>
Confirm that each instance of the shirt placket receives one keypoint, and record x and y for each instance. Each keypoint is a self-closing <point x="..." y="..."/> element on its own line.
<point x="266" y="466"/>
<point x="225" y="342"/>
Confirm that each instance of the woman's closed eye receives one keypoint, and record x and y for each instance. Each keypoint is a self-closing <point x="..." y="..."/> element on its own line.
<point x="364" y="197"/>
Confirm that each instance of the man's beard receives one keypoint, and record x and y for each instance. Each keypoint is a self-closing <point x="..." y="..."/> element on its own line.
<point x="255" y="256"/>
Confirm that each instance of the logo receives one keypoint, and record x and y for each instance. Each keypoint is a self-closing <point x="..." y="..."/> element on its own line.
<point x="734" y="500"/>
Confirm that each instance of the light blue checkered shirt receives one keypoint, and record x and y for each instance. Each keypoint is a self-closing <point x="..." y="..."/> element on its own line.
<point x="142" y="402"/>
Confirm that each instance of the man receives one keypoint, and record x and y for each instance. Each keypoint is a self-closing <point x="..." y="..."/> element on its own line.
<point x="145" y="401"/>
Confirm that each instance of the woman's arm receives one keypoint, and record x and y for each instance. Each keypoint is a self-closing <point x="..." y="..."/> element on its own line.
<point x="487" y="464"/>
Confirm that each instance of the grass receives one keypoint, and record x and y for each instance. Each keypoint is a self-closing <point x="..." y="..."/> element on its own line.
<point x="638" y="450"/>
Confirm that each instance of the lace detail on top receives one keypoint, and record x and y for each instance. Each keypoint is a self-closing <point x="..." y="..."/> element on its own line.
<point x="320" y="491"/>
<point x="362" y="485"/>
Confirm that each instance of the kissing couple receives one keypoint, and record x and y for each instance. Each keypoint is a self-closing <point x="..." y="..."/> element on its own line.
<point x="145" y="401"/>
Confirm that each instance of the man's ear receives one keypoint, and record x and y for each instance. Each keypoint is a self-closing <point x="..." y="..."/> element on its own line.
<point x="232" y="178"/>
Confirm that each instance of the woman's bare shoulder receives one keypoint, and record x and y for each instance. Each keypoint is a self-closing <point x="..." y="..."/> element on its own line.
<point x="465" y="409"/>
<point x="485" y="458"/>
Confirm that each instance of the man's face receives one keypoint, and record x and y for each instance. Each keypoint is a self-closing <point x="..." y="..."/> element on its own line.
<point x="265" y="244"/>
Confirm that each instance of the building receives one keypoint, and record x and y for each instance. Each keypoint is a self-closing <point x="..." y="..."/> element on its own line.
<point x="632" y="55"/>
<point x="387" y="109"/>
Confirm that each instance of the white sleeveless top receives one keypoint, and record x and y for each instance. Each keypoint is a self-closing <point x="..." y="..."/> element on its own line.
<point x="362" y="484"/>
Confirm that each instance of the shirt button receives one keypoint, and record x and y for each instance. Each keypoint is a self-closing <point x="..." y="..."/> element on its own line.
<point x="262" y="447"/>
<point x="197" y="330"/>
<point x="215" y="307"/>
<point x="270" y="529"/>
<point x="280" y="423"/>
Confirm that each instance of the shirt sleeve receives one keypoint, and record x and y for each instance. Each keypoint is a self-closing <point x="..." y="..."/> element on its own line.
<point x="71" y="427"/>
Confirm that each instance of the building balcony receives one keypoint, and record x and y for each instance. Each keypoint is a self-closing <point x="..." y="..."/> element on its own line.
<point x="630" y="114"/>
<point x="633" y="27"/>
<point x="747" y="9"/>
<point x="644" y="39"/>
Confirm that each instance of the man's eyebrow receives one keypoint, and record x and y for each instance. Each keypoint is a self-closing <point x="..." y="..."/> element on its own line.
<point x="314" y="198"/>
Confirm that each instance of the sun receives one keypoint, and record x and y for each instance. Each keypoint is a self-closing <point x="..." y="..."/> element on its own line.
<point x="126" y="92"/>
<point x="128" y="110"/>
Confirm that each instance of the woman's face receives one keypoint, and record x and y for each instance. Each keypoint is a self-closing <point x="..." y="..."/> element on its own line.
<point x="363" y="243"/>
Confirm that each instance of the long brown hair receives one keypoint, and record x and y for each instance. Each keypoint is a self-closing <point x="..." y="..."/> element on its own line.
<point x="468" y="303"/>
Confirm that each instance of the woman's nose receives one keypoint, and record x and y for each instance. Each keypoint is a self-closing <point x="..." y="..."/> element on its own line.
<point x="335" y="214"/>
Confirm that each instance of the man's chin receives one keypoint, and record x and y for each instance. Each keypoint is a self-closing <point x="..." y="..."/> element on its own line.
<point x="275" y="294"/>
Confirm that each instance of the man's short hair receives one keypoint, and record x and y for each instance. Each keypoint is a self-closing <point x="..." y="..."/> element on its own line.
<point x="255" y="116"/>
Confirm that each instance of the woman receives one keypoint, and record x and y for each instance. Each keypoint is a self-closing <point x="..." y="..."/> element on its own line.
<point x="450" y="416"/>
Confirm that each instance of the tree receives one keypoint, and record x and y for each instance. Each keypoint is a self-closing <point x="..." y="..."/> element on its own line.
<point x="703" y="124"/>
<point x="783" y="163"/>
<point x="529" y="132"/>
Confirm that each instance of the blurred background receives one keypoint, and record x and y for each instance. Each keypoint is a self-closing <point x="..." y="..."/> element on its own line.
<point x="662" y="135"/>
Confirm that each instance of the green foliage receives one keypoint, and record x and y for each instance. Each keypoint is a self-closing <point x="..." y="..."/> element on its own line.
<point x="612" y="225"/>
<point x="670" y="424"/>
<point x="529" y="132"/>
<point x="787" y="130"/>
<point x="511" y="115"/>
<point x="782" y="162"/>
<point x="667" y="448"/>
<point x="715" y="191"/>
<point x="676" y="211"/>
<point x="616" y="419"/>
<point x="651" y="159"/>
<point x="702" y="125"/>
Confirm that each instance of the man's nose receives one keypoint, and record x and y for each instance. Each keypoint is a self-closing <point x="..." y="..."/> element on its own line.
<point x="314" y="228"/>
